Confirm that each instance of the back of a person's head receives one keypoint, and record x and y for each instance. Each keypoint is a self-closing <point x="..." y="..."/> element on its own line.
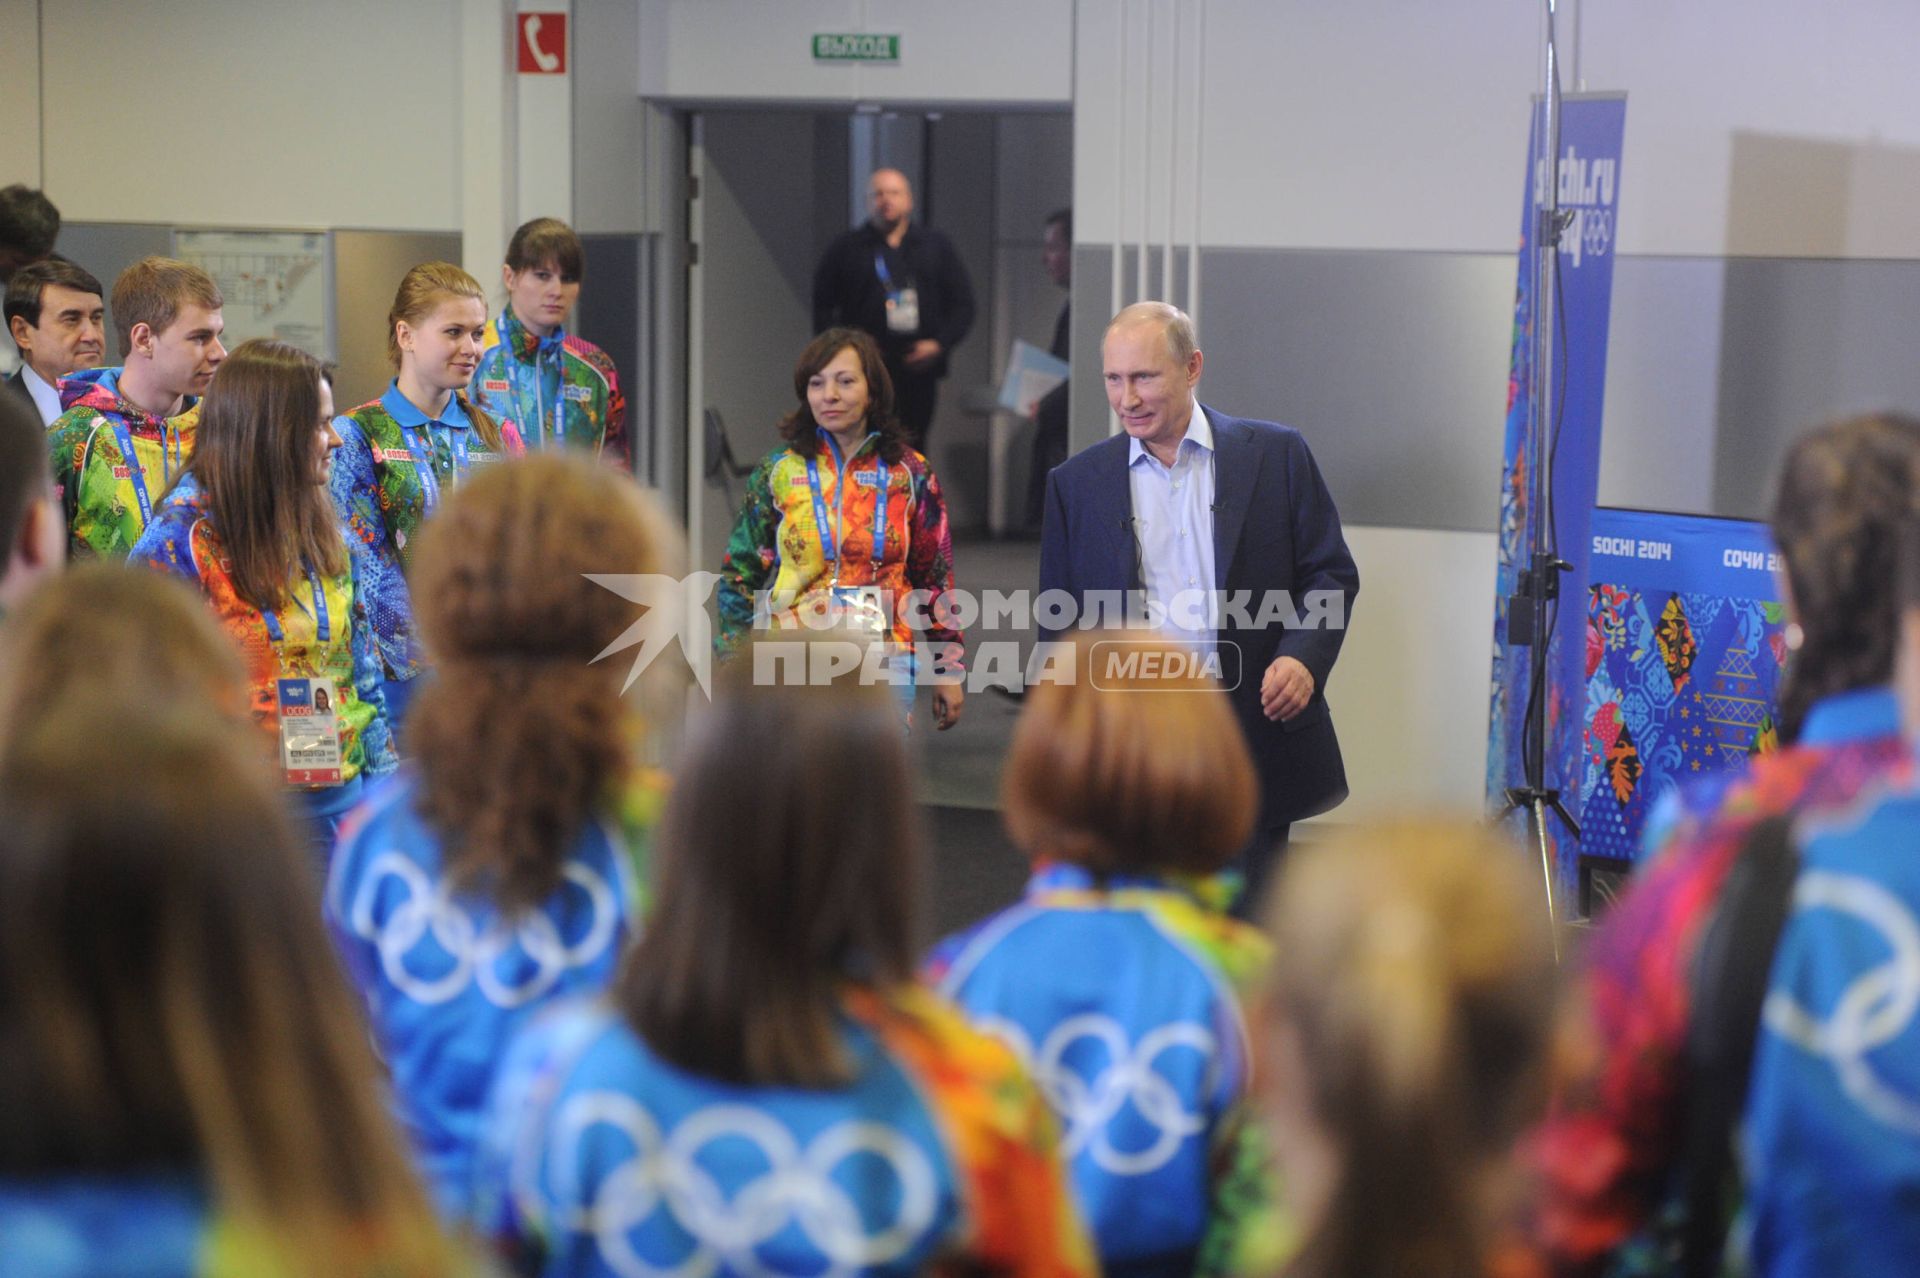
<point x="788" y="865"/>
<point x="120" y="631"/>
<point x="1407" y="1023"/>
<point x="1135" y="765"/>
<point x="168" y="1001"/>
<point x="522" y="734"/>
<point x="25" y="477"/>
<point x="1844" y="489"/>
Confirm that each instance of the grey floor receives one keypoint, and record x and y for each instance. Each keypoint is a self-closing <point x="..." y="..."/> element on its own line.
<point x="975" y="870"/>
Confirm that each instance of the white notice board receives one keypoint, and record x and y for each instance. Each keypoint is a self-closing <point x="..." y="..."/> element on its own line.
<point x="276" y="284"/>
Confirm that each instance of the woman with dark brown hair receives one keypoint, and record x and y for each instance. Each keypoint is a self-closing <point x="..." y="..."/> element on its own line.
<point x="1119" y="979"/>
<point x="251" y="524"/>
<point x="187" y="1088"/>
<point x="492" y="876"/>
<point x="1614" y="1153"/>
<point x="767" y="1090"/>
<point x="845" y="526"/>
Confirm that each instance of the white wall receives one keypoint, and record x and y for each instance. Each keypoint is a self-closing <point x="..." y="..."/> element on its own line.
<point x="752" y="50"/>
<point x="1776" y="127"/>
<point x="243" y="113"/>
<point x="19" y="93"/>
<point x="1409" y="694"/>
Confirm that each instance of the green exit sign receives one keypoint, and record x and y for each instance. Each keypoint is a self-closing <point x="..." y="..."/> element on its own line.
<point x="856" y="48"/>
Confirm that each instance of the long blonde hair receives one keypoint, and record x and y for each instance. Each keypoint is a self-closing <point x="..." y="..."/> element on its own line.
<point x="1415" y="978"/>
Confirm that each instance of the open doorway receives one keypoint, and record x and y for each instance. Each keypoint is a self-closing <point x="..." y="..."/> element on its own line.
<point x="769" y="189"/>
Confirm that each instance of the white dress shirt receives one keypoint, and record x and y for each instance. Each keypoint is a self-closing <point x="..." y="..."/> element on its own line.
<point x="46" y="398"/>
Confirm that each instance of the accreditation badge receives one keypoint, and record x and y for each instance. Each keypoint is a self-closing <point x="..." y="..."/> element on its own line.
<point x="862" y="609"/>
<point x="903" y="310"/>
<point x="309" y="731"/>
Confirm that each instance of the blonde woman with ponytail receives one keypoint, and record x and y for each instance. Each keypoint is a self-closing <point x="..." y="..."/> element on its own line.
<point x="1404" y="1037"/>
<point x="401" y="455"/>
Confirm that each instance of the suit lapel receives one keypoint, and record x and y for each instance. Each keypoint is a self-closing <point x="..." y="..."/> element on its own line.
<point x="1116" y="493"/>
<point x="1236" y="467"/>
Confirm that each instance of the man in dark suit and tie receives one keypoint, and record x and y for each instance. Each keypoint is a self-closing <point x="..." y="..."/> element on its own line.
<point x="54" y="312"/>
<point x="1227" y="527"/>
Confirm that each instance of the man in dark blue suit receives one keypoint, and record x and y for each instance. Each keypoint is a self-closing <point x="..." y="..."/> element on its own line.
<point x="1226" y="526"/>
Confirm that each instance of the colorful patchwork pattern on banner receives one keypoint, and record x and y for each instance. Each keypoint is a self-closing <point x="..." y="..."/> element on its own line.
<point x="1684" y="643"/>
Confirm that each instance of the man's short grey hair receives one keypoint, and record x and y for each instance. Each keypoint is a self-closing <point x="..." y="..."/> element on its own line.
<point x="1174" y="324"/>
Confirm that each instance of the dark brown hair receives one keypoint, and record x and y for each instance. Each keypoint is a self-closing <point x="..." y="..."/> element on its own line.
<point x="28" y="287"/>
<point x="1410" y="1014"/>
<point x="544" y="240"/>
<point x="123" y="632"/>
<point x="25" y="476"/>
<point x="153" y="290"/>
<point x="255" y="456"/>
<point x="788" y="863"/>
<point x="1844" y="491"/>
<point x="421" y="290"/>
<point x="522" y="736"/>
<point x="1125" y="769"/>
<point x="798" y="427"/>
<point x="167" y="999"/>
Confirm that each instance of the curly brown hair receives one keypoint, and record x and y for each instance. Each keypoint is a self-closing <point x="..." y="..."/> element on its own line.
<point x="521" y="736"/>
<point x="1844" y="493"/>
<point x="798" y="427"/>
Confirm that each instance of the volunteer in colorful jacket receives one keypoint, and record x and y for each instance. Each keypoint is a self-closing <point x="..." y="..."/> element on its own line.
<point x="808" y="547"/>
<point x="504" y="832"/>
<point x="768" y="1090"/>
<point x="127" y="432"/>
<point x="403" y="453"/>
<point x="555" y="388"/>
<point x="1120" y="979"/>
<point x="250" y="522"/>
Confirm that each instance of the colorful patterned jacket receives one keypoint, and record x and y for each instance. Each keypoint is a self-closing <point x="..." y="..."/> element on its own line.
<point x="182" y="540"/>
<point x="525" y="380"/>
<point x="159" y="1226"/>
<point x="776" y="545"/>
<point x="384" y="493"/>
<point x="1606" y="1153"/>
<point x="444" y="1002"/>
<point x="100" y="484"/>
<point x="1125" y="998"/>
<point x="939" y="1157"/>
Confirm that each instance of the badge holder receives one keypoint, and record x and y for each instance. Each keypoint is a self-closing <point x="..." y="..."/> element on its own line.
<point x="310" y="752"/>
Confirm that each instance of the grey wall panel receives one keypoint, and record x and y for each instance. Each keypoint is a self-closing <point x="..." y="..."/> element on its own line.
<point x="609" y="316"/>
<point x="367" y="267"/>
<point x="1394" y="366"/>
<point x="108" y="248"/>
<point x="1803" y="341"/>
<point x="1663" y="381"/>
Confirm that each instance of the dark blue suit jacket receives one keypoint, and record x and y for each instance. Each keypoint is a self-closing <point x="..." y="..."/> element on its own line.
<point x="1274" y="528"/>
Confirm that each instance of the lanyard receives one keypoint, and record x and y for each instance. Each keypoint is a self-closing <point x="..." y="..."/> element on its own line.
<point x="321" y="620"/>
<point x="138" y="473"/>
<point x="429" y="481"/>
<point x="539" y="391"/>
<point x="829" y="539"/>
<point x="880" y="269"/>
